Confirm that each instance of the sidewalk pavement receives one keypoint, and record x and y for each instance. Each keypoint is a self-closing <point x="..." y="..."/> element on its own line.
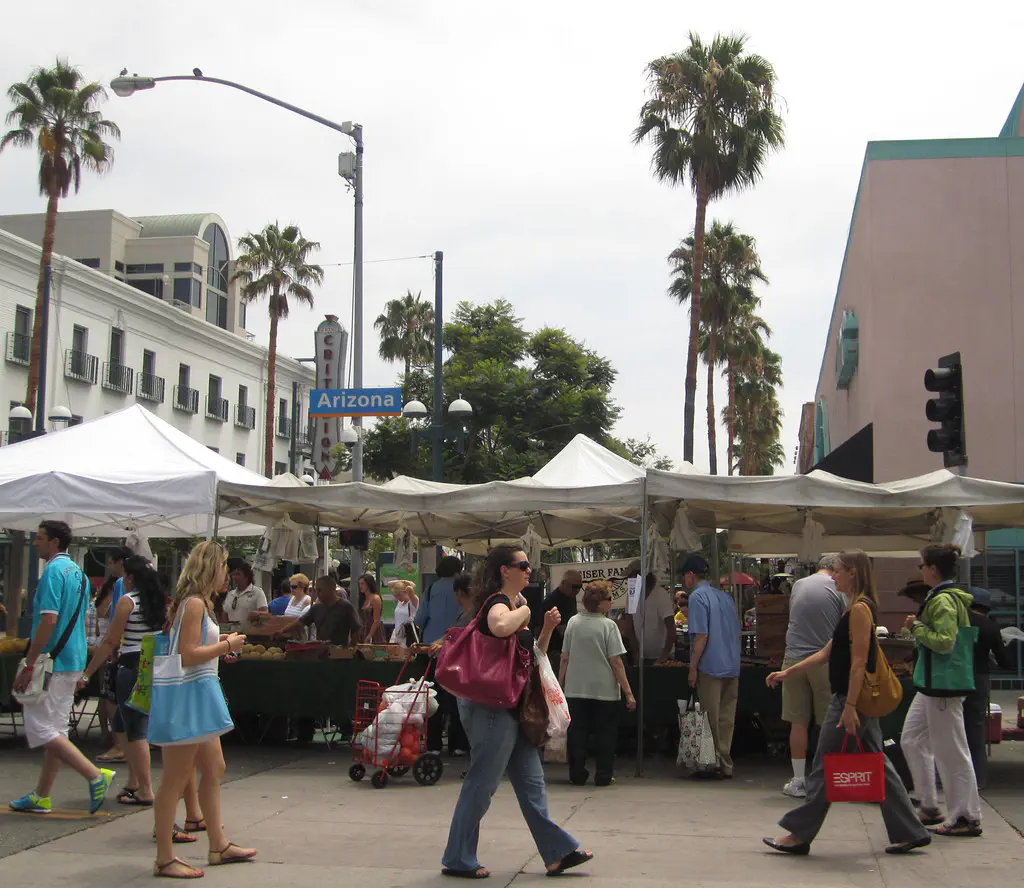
<point x="313" y="825"/>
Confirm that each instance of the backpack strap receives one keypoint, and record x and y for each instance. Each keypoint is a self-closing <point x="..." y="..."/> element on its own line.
<point x="66" y="635"/>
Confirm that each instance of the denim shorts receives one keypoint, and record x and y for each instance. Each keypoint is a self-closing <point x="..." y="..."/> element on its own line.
<point x="128" y="721"/>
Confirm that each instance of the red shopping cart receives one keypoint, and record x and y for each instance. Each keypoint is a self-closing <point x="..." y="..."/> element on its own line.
<point x="389" y="733"/>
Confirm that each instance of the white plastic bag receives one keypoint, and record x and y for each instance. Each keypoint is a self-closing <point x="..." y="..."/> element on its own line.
<point x="412" y="696"/>
<point x="556" y="750"/>
<point x="696" y="742"/>
<point x="558" y="708"/>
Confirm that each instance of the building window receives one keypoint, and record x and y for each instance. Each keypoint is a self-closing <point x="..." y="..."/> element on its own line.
<point x="80" y="340"/>
<point x="218" y="257"/>
<point x="216" y="308"/>
<point x="183" y="290"/>
<point x="149" y="363"/>
<point x="184" y="376"/>
<point x="153" y="286"/>
<point x="19" y="341"/>
<point x="280" y="468"/>
<point x="119" y="266"/>
<point x="243" y="396"/>
<point x="151" y="268"/>
<point x="89" y="263"/>
<point x="240" y="458"/>
<point x="242" y="314"/>
<point x="214" y="388"/>
<point x="182" y="266"/>
<point x="116" y="355"/>
<point x="197" y="293"/>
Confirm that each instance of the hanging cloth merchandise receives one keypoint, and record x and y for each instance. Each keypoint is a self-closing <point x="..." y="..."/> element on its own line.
<point x="405" y="546"/>
<point x="812" y="540"/>
<point x="533" y="545"/>
<point x="658" y="549"/>
<point x="684" y="537"/>
<point x="956" y="527"/>
<point x="139" y="545"/>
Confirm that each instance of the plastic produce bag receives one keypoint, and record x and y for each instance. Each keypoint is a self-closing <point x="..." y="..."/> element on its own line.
<point x="558" y="708"/>
<point x="412" y="696"/>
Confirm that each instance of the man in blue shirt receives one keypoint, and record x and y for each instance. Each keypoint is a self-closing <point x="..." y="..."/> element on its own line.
<point x="116" y="565"/>
<point x="58" y="615"/>
<point x="714" y="658"/>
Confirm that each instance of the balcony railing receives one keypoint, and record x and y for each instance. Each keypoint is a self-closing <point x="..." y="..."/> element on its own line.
<point x="186" y="399"/>
<point x="80" y="366"/>
<point x="245" y="417"/>
<point x="118" y="378"/>
<point x="284" y="427"/>
<point x="217" y="408"/>
<point x="151" y="388"/>
<point x="18" y="348"/>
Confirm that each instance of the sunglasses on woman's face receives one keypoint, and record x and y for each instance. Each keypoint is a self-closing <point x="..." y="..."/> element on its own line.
<point x="298" y="586"/>
<point x="521" y="565"/>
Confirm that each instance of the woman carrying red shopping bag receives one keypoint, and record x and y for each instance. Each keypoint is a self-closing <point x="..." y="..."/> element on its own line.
<point x="849" y="764"/>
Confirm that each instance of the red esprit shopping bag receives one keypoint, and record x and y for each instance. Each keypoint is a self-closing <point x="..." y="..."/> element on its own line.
<point x="855" y="776"/>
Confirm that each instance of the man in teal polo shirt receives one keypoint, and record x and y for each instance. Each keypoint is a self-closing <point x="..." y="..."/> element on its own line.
<point x="714" y="658"/>
<point x="60" y="601"/>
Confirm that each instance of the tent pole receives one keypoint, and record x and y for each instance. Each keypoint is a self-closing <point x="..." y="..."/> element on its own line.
<point x="641" y="608"/>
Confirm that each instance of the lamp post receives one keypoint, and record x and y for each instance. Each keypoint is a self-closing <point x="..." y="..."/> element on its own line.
<point x="350" y="167"/>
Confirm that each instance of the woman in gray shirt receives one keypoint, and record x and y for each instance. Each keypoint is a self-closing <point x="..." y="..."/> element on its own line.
<point x="594" y="678"/>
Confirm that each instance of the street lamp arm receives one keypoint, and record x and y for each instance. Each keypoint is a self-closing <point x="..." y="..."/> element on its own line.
<point x="131" y="84"/>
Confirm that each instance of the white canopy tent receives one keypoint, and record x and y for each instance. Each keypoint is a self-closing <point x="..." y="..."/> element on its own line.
<point x="128" y="471"/>
<point x="584" y="493"/>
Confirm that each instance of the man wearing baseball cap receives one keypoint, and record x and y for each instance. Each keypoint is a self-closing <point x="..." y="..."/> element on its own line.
<point x="714" y="658"/>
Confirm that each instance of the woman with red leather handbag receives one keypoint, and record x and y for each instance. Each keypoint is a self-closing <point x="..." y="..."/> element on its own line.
<point x="488" y="666"/>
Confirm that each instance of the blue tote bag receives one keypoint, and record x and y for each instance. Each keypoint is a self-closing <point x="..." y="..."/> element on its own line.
<point x="188" y="705"/>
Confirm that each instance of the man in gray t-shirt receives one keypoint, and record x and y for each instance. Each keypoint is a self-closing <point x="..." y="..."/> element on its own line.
<point x="815" y="606"/>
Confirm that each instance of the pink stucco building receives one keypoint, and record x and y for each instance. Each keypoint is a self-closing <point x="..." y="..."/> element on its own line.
<point x="934" y="264"/>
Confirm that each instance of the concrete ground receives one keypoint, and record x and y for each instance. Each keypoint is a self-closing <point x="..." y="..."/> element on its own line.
<point x="313" y="825"/>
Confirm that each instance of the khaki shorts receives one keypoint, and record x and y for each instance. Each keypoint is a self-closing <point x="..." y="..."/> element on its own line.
<point x="806" y="697"/>
<point x="48" y="719"/>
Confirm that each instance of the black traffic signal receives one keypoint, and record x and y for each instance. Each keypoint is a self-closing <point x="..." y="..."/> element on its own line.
<point x="950" y="438"/>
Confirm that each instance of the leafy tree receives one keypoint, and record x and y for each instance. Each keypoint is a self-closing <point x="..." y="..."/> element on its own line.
<point x="711" y="120"/>
<point x="642" y="453"/>
<point x="531" y="394"/>
<point x="274" y="265"/>
<point x="759" y="416"/>
<point x="406" y="329"/>
<point x="58" y="111"/>
<point x="731" y="267"/>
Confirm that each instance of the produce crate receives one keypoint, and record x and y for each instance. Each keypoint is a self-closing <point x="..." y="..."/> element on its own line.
<point x="336" y="652"/>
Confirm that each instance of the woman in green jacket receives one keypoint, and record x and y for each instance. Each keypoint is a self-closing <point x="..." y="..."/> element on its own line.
<point x="933" y="734"/>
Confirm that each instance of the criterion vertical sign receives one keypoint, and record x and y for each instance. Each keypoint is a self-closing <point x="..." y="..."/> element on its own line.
<point x="331" y="342"/>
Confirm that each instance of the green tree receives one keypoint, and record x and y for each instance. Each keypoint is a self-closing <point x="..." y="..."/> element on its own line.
<point x="731" y="268"/>
<point x="711" y="119"/>
<point x="406" y="330"/>
<point x="744" y="346"/>
<point x="643" y="453"/>
<point x="274" y="264"/>
<point x="759" y="416"/>
<point x="531" y="394"/>
<point x="58" y="111"/>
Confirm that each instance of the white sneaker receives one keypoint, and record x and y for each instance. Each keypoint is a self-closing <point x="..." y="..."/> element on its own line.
<point x="796" y="788"/>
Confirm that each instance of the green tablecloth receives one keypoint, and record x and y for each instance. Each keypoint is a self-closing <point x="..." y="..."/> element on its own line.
<point x="326" y="689"/>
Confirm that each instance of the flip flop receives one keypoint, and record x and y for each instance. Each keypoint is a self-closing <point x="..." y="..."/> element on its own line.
<point x="217" y="858"/>
<point x="179" y="836"/>
<point x="125" y="795"/>
<point x="161" y="870"/>
<point x="134" y="800"/>
<point x="576" y="858"/>
<point x="908" y="847"/>
<point x="200" y="826"/>
<point x="479" y="873"/>
<point x="113" y="756"/>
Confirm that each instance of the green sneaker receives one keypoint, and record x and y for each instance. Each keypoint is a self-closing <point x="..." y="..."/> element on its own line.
<point x="98" y="789"/>
<point x="32" y="804"/>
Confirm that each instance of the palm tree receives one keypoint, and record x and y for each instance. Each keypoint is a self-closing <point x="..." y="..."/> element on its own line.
<point x="274" y="263"/>
<point x="744" y="347"/>
<point x="731" y="267"/>
<point x="759" y="415"/>
<point x="406" y="328"/>
<point x="711" y="118"/>
<point x="57" y="110"/>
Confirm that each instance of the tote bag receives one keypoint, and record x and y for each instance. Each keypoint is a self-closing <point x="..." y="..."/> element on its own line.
<point x="951" y="674"/>
<point x="481" y="668"/>
<point x="142" y="694"/>
<point x="187" y="703"/>
<point x="696" y="742"/>
<point x="854" y="776"/>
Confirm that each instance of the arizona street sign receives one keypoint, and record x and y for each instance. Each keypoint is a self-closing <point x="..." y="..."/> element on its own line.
<point x="356" y="402"/>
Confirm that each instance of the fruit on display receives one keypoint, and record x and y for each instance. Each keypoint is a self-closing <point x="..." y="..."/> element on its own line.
<point x="260" y="652"/>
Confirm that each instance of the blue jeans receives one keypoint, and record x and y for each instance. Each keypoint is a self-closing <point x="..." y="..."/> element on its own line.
<point x="499" y="748"/>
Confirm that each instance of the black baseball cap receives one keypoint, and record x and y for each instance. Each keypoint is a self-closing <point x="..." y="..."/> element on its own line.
<point x="696" y="564"/>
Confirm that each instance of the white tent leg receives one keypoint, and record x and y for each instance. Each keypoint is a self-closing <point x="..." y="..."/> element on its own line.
<point x="641" y="607"/>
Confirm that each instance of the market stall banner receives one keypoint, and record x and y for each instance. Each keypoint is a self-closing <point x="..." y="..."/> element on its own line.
<point x="613" y="571"/>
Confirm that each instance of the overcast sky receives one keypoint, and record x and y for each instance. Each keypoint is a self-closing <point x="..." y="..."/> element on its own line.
<point x="499" y="133"/>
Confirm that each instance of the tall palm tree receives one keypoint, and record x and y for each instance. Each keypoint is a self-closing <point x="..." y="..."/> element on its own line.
<point x="745" y="344"/>
<point x="57" y="110"/>
<point x="759" y="415"/>
<point x="731" y="267"/>
<point x="406" y="328"/>
<point x="712" y="121"/>
<point x="274" y="264"/>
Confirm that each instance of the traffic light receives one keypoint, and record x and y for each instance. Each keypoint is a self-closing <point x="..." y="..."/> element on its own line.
<point x="950" y="438"/>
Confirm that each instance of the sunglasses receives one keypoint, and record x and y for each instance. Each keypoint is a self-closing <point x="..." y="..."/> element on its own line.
<point x="521" y="565"/>
<point x="297" y="586"/>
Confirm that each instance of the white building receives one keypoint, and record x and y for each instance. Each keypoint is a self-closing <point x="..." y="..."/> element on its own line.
<point x="144" y="310"/>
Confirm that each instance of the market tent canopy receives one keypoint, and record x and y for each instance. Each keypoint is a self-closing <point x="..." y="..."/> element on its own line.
<point x="585" y="492"/>
<point x="126" y="471"/>
<point x="905" y="510"/>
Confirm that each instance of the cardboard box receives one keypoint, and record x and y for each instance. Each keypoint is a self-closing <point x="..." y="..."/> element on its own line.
<point x="341" y="653"/>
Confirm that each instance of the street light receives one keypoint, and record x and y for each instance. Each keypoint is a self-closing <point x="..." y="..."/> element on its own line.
<point x="21" y="413"/>
<point x="60" y="418"/>
<point x="351" y="168"/>
<point x="438" y="431"/>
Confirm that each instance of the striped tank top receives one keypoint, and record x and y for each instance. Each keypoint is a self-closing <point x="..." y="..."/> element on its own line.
<point x="136" y="628"/>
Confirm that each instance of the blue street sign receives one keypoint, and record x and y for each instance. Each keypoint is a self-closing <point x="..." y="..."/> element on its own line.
<point x="356" y="402"/>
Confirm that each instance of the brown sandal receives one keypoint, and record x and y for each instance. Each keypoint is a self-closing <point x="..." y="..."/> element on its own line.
<point x="180" y="836"/>
<point x="217" y="858"/>
<point x="195" y="826"/>
<point x="162" y="870"/>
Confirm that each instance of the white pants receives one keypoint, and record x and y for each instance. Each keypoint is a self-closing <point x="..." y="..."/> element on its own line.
<point x="934" y="736"/>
